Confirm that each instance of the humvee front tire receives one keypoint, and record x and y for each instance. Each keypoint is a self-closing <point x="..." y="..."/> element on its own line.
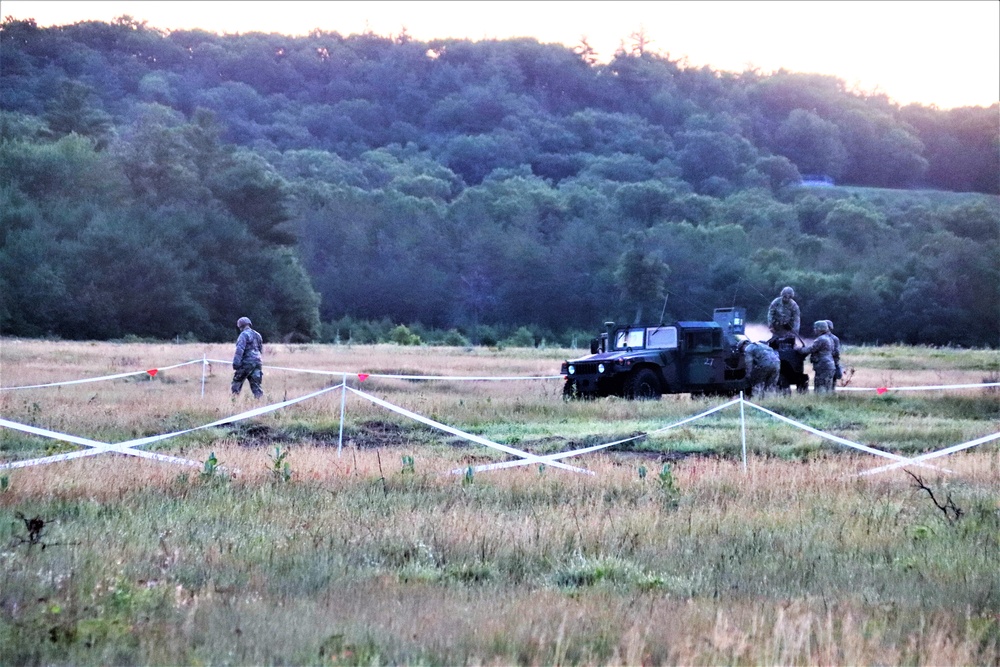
<point x="570" y="391"/>
<point x="643" y="385"/>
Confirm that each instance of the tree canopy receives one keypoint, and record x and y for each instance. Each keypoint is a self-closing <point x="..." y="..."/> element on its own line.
<point x="162" y="184"/>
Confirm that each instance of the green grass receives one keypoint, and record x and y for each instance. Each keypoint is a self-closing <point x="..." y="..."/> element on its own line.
<point x="210" y="570"/>
<point x="670" y="553"/>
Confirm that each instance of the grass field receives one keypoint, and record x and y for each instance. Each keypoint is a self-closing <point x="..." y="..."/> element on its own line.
<point x="281" y="551"/>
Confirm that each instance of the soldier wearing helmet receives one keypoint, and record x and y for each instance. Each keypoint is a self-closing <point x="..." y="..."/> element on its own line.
<point x="837" y="372"/>
<point x="762" y="365"/>
<point x="820" y="353"/>
<point x="783" y="315"/>
<point x="247" y="363"/>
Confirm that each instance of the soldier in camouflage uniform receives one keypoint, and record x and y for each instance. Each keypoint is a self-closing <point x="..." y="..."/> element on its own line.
<point x="837" y="372"/>
<point x="763" y="367"/>
<point x="821" y="355"/>
<point x="247" y="364"/>
<point x="783" y="315"/>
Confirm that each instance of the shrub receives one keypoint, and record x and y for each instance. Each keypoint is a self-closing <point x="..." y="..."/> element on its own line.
<point x="454" y="338"/>
<point x="521" y="338"/>
<point x="403" y="336"/>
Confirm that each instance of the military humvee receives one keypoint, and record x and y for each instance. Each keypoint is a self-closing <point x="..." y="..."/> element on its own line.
<point x="644" y="362"/>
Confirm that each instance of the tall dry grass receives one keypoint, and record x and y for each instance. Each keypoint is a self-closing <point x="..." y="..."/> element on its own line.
<point x="358" y="560"/>
<point x="364" y="559"/>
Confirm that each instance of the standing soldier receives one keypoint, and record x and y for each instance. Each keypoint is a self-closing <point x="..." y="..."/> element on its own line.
<point x="821" y="355"/>
<point x="247" y="364"/>
<point x="837" y="372"/>
<point x="763" y="367"/>
<point x="783" y="315"/>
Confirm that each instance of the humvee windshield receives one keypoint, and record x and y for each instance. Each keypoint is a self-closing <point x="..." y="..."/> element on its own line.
<point x="652" y="338"/>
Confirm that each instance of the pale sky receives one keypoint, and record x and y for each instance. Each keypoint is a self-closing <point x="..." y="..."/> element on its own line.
<point x="929" y="52"/>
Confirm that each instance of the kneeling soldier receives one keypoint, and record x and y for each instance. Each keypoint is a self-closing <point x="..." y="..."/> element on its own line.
<point x="763" y="366"/>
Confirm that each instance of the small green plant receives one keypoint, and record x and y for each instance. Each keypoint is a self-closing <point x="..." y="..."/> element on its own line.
<point x="4" y="483"/>
<point x="669" y="485"/>
<point x="280" y="469"/>
<point x="642" y="472"/>
<point x="211" y="467"/>
<point x="409" y="466"/>
<point x="468" y="479"/>
<point x="667" y="482"/>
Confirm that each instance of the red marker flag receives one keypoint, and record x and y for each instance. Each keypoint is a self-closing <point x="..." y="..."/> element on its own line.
<point x="881" y="390"/>
<point x="153" y="372"/>
<point x="362" y="376"/>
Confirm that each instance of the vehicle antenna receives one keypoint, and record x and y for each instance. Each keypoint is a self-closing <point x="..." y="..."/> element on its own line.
<point x="664" y="311"/>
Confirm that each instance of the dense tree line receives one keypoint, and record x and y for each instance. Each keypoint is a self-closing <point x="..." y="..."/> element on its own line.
<point x="162" y="184"/>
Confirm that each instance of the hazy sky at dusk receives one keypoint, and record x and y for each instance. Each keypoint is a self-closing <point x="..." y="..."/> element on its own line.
<point x="943" y="53"/>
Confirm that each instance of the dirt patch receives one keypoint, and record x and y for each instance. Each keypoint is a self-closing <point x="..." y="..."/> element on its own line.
<point x="627" y="458"/>
<point x="376" y="434"/>
<point x="258" y="435"/>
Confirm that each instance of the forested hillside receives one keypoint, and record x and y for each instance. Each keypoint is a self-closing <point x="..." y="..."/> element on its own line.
<point x="163" y="184"/>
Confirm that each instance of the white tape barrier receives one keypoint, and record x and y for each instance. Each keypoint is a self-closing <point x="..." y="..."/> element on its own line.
<point x="882" y="390"/>
<point x="268" y="367"/>
<point x="467" y="436"/>
<point x="593" y="448"/>
<point x="99" y="447"/>
<point x="932" y="455"/>
<point x="129" y="446"/>
<point x="864" y="448"/>
<point x="151" y="372"/>
<point x="462" y="378"/>
<point x="365" y="376"/>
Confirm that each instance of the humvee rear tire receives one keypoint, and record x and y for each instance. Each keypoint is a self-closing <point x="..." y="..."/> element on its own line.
<point x="643" y="385"/>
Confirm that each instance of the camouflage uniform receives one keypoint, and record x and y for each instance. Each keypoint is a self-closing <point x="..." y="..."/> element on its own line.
<point x="763" y="367"/>
<point x="783" y="316"/>
<point x="821" y="355"/>
<point x="837" y="372"/>
<point x="247" y="364"/>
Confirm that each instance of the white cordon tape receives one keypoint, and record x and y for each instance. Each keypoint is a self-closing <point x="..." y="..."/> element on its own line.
<point x="864" y="448"/>
<point x="406" y="377"/>
<point x="559" y="377"/>
<point x="932" y="455"/>
<point x="478" y="378"/>
<point x="128" y="447"/>
<point x="103" y="377"/>
<point x="99" y="448"/>
<point x="531" y="458"/>
<point x="923" y="388"/>
<point x="282" y="368"/>
<point x="593" y="448"/>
